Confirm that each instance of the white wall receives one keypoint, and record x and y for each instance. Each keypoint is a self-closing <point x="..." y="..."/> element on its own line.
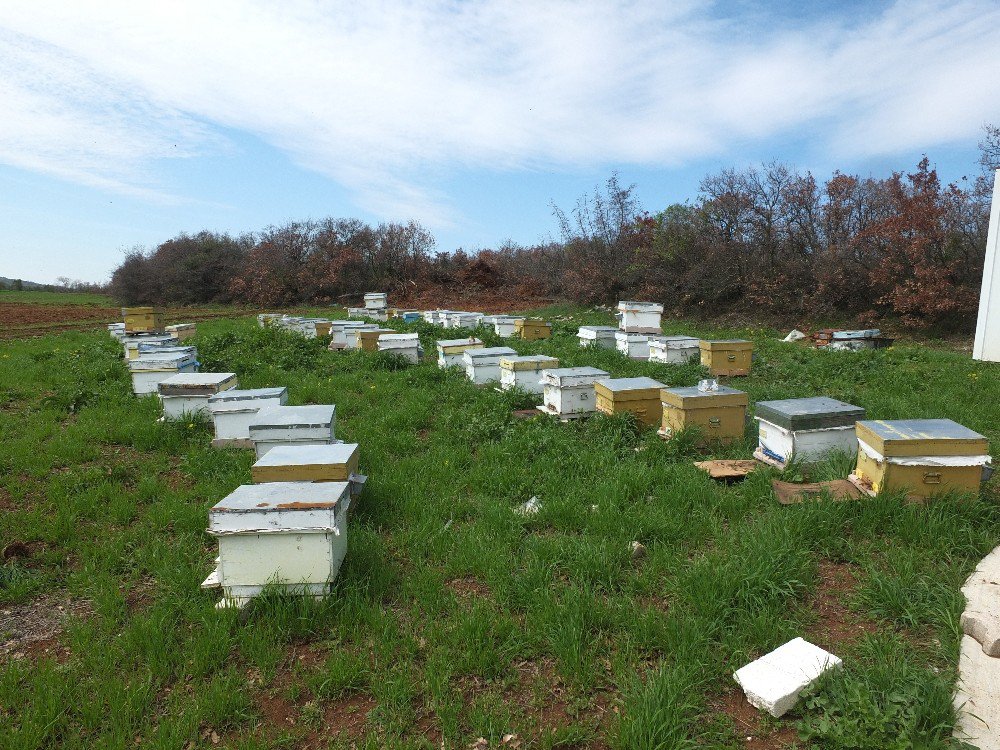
<point x="987" y="346"/>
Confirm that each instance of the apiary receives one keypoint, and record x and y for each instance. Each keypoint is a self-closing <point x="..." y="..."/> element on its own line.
<point x="464" y="319"/>
<point x="376" y="300"/>
<point x="233" y="410"/>
<point x="602" y="337"/>
<point x="719" y="414"/>
<point x="525" y="372"/>
<point x="148" y="370"/>
<point x="187" y="393"/>
<point x="450" y="351"/>
<point x="639" y="396"/>
<point x="287" y="534"/>
<point x="673" y="350"/>
<point x="117" y="330"/>
<point x="132" y="344"/>
<point x="341" y="331"/>
<point x="633" y="345"/>
<point x="568" y="392"/>
<point x="182" y="331"/>
<point x="357" y="312"/>
<point x="505" y="325"/>
<point x="728" y="357"/>
<point x="337" y="462"/>
<point x="266" y="319"/>
<point x="351" y="334"/>
<point x="919" y="456"/>
<point x="806" y="428"/>
<point x="368" y="340"/>
<point x="292" y="425"/>
<point x="482" y="365"/>
<point x="406" y="345"/>
<point x="289" y="323"/>
<point x="639" y="317"/>
<point x="532" y="329"/>
<point x="143" y="319"/>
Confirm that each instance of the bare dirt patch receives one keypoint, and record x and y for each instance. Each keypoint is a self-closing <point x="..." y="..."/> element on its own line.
<point x="755" y="729"/>
<point x="835" y="626"/>
<point x="469" y="587"/>
<point x="33" y="628"/>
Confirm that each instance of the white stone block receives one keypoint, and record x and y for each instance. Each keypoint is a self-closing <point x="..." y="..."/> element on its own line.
<point x="775" y="681"/>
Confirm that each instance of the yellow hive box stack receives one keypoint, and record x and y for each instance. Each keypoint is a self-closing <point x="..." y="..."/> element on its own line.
<point x="921" y="457"/>
<point x="639" y="396"/>
<point x="368" y="340"/>
<point x="337" y="462"/>
<point x="143" y="319"/>
<point x="532" y="329"/>
<point x="730" y="357"/>
<point x="719" y="415"/>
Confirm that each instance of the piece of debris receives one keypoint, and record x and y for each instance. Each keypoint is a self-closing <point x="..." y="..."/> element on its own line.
<point x="638" y="550"/>
<point x="774" y="682"/>
<point x="529" y="507"/>
<point x="794" y="335"/>
<point x="728" y="470"/>
<point x="790" y="493"/>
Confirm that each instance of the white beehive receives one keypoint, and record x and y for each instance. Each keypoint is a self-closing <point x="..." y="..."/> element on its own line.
<point x="639" y="317"/>
<point x="292" y="535"/>
<point x="450" y="351"/>
<point x="182" y="331"/>
<point x="187" y="393"/>
<point x="464" y="319"/>
<point x="505" y="325"/>
<point x="117" y="331"/>
<point x="132" y="344"/>
<point x="351" y="333"/>
<point x="673" y="350"/>
<point x="266" y="319"/>
<point x="150" y="369"/>
<point x="525" y="372"/>
<point x="406" y="345"/>
<point x="233" y="410"/>
<point x="288" y="323"/>
<point x="292" y="425"/>
<point x="483" y="365"/>
<point x="342" y="333"/>
<point x="807" y="428"/>
<point x="568" y="392"/>
<point x="307" y="327"/>
<point x="376" y="300"/>
<point x="357" y="312"/>
<point x="634" y="345"/>
<point x="602" y="337"/>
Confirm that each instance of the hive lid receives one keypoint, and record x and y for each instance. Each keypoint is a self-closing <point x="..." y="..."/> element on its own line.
<point x="312" y="415"/>
<point x="727" y="345"/>
<point x="197" y="383"/>
<point x="235" y="399"/>
<point x="524" y="322"/>
<point x="630" y="389"/>
<point x="168" y="361"/>
<point x="565" y="376"/>
<point x="528" y="362"/>
<point x="630" y="306"/>
<point x="921" y="437"/>
<point x="596" y="330"/>
<point x="490" y="352"/>
<point x="401" y="337"/>
<point x="692" y="398"/>
<point x="278" y="507"/>
<point x="673" y="342"/>
<point x="816" y="413"/>
<point x="338" y="454"/>
<point x="446" y="343"/>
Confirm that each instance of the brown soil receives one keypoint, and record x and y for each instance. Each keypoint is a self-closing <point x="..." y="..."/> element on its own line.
<point x="27" y="320"/>
<point x="755" y="729"/>
<point x="31" y="629"/>
<point x="468" y="587"/>
<point x="835" y="627"/>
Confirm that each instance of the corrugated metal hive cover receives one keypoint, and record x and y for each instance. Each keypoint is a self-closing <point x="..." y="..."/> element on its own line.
<point x="314" y="415"/>
<point x="815" y="413"/>
<point x="248" y="394"/>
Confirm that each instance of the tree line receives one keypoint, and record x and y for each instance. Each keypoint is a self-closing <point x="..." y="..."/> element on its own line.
<point x="763" y="239"/>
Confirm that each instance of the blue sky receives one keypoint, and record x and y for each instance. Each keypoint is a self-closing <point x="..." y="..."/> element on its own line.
<point x="127" y="123"/>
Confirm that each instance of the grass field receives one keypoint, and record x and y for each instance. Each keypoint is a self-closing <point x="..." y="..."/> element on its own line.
<point x="455" y="618"/>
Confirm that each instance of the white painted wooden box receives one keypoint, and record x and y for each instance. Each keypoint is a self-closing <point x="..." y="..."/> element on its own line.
<point x="266" y="319"/>
<point x="233" y="410"/>
<point x="525" y="372"/>
<point x="505" y="325"/>
<point x="187" y="393"/>
<point x="182" y="331"/>
<point x="342" y="333"/>
<point x="131" y="345"/>
<point x="450" y="351"/>
<point x="602" y="337"/>
<point x="673" y="350"/>
<point x="292" y="425"/>
<point x="483" y="365"/>
<point x="634" y="345"/>
<point x="292" y="535"/>
<point x="568" y="392"/>
<point x="406" y="345"/>
<point x="376" y="300"/>
<point x="117" y="331"/>
<point x="307" y="326"/>
<point x="807" y="428"/>
<point x="149" y="370"/>
<point x="357" y="312"/>
<point x="464" y="319"/>
<point x="351" y="333"/>
<point x="288" y="323"/>
<point x="639" y="317"/>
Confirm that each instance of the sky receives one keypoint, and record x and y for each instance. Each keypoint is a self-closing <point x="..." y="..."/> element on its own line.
<point x="123" y="124"/>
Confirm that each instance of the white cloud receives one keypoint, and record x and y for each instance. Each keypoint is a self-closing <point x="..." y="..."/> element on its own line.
<point x="386" y="97"/>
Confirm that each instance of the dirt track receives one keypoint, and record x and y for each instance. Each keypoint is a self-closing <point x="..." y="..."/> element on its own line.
<point x="19" y="320"/>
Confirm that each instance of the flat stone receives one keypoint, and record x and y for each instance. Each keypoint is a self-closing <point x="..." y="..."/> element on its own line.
<point x="775" y="681"/>
<point x="981" y="618"/>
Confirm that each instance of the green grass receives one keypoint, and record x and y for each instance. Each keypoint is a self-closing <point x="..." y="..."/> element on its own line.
<point x="453" y="616"/>
<point x="56" y="298"/>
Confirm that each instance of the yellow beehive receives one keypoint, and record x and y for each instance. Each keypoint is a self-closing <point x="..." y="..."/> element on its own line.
<point x="336" y="462"/>
<point x="368" y="340"/>
<point x="323" y="327"/>
<point x="143" y="319"/>
<point x="719" y="415"/>
<point x="729" y="357"/>
<point x="532" y="329"/>
<point x="639" y="396"/>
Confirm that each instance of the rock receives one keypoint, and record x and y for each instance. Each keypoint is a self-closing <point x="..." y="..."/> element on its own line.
<point x="638" y="550"/>
<point x="775" y="681"/>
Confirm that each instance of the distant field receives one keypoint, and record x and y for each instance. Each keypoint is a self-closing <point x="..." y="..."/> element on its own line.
<point x="454" y="617"/>
<point x="56" y="298"/>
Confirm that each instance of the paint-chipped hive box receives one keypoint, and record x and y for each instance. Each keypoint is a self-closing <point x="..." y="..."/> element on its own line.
<point x="143" y="319"/>
<point x="292" y="425"/>
<point x="483" y="365"/>
<point x="638" y="396"/>
<point x="569" y="391"/>
<point x="182" y="331"/>
<point x="673" y="350"/>
<point x="808" y="429"/>
<point x="290" y="535"/>
<point x="149" y="370"/>
<point x="187" y="393"/>
<point x="405" y="345"/>
<point x="525" y="372"/>
<point x="602" y="337"/>
<point x="450" y="351"/>
<point x="233" y="410"/>
<point x="336" y="462"/>
<point x="728" y="357"/>
<point x="376" y="300"/>
<point x="634" y="345"/>
<point x="532" y="329"/>
<point x="921" y="457"/>
<point x="639" y="317"/>
<point x="718" y="415"/>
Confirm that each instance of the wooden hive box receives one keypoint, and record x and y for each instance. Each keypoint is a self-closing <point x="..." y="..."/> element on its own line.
<point x="505" y="325"/>
<point x="292" y="425"/>
<point x="532" y="329"/>
<point x="807" y="428"/>
<point x="450" y="351"/>
<point x="569" y="391"/>
<point x="639" y="396"/>
<point x="133" y="344"/>
<point x="368" y="339"/>
<point x="233" y="410"/>
<point x="728" y="357"/>
<point x="602" y="337"/>
<point x="376" y="301"/>
<point x="639" y="317"/>
<point x="525" y="372"/>
<point x="148" y="370"/>
<point x="187" y="393"/>
<point x="335" y="462"/>
<point x="719" y="415"/>
<point x="921" y="457"/>
<point x="482" y="365"/>
<point x="182" y="331"/>
<point x="143" y="319"/>
<point x="673" y="350"/>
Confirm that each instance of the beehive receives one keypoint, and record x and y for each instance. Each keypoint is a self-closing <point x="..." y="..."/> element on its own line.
<point x="833" y="339"/>
<point x="186" y="393"/>
<point x="314" y="327"/>
<point x="807" y="428"/>
<point x="292" y="425"/>
<point x="482" y="365"/>
<point x="143" y="319"/>
<point x="525" y="372"/>
<point x="266" y="319"/>
<point x="568" y="392"/>
<point x="411" y="316"/>
<point x="291" y="535"/>
<point x="182" y="331"/>
<point x="633" y="345"/>
<point x="405" y="345"/>
<point x="719" y="415"/>
<point x="342" y="333"/>
<point x="639" y="317"/>
<point x="376" y="300"/>
<point x="117" y="331"/>
<point x="132" y="343"/>
<point x="289" y="323"/>
<point x="729" y="357"/>
<point x="367" y="339"/>
<point x="357" y="312"/>
<point x="450" y="351"/>
<point x="919" y="456"/>
<point x="233" y="410"/>
<point x="464" y="319"/>
<point x="673" y="350"/>
<point x="337" y="462"/>
<point x="149" y="370"/>
<point x="505" y="325"/>
<point x="639" y="396"/>
<point x="532" y="329"/>
<point x="602" y="337"/>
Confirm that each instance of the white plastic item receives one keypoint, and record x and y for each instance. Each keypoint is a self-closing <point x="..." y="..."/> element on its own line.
<point x="774" y="682"/>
